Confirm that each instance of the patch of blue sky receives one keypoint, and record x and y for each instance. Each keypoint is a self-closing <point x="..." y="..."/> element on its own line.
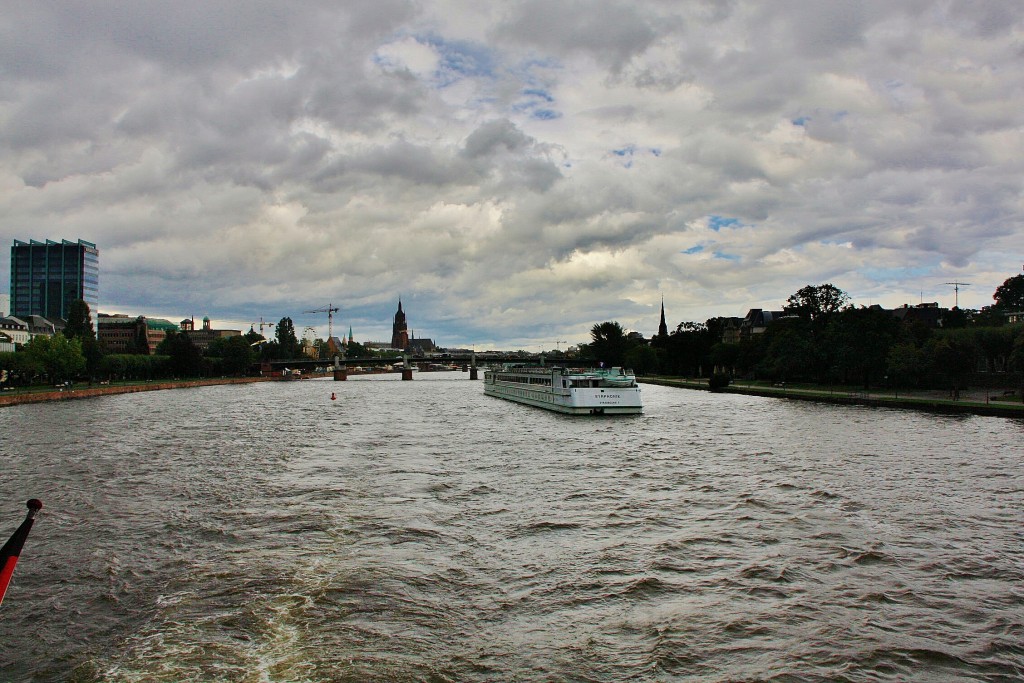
<point x="716" y="223"/>
<point x="534" y="74"/>
<point x="538" y="93"/>
<point x="546" y="114"/>
<point x="534" y="103"/>
<point x="897" y="273"/>
<point x="696" y="249"/>
<point x="628" y="153"/>
<point x="460" y="59"/>
<point x="801" y="120"/>
<point x="725" y="257"/>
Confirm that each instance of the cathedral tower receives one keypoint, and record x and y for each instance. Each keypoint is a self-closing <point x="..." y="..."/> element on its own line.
<point x="400" y="330"/>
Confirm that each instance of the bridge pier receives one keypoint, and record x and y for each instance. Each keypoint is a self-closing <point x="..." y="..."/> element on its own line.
<point x="472" y="368"/>
<point x="340" y="375"/>
<point x="406" y="369"/>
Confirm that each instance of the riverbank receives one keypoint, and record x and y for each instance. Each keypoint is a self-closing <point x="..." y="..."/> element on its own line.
<point x="86" y="391"/>
<point x="976" y="402"/>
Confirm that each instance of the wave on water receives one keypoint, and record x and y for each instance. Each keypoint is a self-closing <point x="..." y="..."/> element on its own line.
<point x="416" y="531"/>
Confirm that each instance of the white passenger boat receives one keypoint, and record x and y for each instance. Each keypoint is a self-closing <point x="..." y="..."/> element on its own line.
<point x="606" y="391"/>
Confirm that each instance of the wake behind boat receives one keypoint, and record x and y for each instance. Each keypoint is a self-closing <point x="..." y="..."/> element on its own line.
<point x="575" y="391"/>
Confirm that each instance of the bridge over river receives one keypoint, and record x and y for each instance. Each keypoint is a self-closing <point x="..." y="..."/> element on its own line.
<point x="340" y="366"/>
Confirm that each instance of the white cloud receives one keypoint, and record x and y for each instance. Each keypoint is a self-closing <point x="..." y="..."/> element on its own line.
<point x="516" y="171"/>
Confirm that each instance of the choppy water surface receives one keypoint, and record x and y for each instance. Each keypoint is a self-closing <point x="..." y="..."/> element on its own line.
<point x="419" y="530"/>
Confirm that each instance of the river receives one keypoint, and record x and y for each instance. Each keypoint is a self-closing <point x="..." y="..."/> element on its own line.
<point x="420" y="531"/>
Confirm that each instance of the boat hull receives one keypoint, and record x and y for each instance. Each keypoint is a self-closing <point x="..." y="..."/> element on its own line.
<point x="571" y="394"/>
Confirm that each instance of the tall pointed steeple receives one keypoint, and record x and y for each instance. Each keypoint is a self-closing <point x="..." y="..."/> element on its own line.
<point x="400" y="330"/>
<point x="662" y="327"/>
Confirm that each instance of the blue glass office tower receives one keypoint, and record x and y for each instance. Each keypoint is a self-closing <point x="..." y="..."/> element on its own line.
<point x="46" y="277"/>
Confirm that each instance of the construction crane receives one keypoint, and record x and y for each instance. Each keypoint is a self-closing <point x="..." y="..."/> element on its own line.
<point x="330" y="310"/>
<point x="956" y="291"/>
<point x="556" y="343"/>
<point x="262" y="325"/>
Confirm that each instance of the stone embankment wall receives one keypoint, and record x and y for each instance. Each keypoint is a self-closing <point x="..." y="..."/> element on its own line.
<point x="57" y="395"/>
<point x="906" y="400"/>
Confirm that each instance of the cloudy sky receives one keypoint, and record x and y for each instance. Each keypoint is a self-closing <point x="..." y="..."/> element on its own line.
<point x="516" y="171"/>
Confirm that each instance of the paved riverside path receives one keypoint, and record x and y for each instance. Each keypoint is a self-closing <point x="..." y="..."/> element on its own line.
<point x="974" y="401"/>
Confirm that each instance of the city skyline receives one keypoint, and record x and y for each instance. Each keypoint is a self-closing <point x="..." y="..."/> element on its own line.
<point x="517" y="172"/>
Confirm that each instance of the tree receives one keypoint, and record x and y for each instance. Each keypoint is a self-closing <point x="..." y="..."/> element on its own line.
<point x="234" y="353"/>
<point x="860" y="340"/>
<point x="1009" y="296"/>
<point x="18" y="369"/>
<point x="609" y="345"/>
<point x="907" y="363"/>
<point x="790" y="352"/>
<point x="996" y="345"/>
<point x="252" y="336"/>
<point x="59" y="358"/>
<point x="114" y="366"/>
<point x="354" y="349"/>
<point x="1016" y="361"/>
<point x="724" y="357"/>
<point x="183" y="357"/>
<point x="79" y="326"/>
<point x="989" y="316"/>
<point x="141" y="336"/>
<point x="814" y="302"/>
<point x="642" y="359"/>
<point x="954" y="356"/>
<point x="286" y="339"/>
<point x="685" y="352"/>
<point x="955" y="319"/>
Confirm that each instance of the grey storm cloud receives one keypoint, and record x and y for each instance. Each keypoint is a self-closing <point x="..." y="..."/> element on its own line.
<point x="515" y="170"/>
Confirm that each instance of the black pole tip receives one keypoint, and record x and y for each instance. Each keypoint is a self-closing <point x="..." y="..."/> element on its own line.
<point x="35" y="505"/>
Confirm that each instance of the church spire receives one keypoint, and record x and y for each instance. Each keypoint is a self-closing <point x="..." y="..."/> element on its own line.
<point x="662" y="327"/>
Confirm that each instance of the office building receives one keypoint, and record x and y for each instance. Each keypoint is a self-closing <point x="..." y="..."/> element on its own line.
<point x="47" y="277"/>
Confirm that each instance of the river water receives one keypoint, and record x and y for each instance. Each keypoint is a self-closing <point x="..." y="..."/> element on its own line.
<point x="420" y="531"/>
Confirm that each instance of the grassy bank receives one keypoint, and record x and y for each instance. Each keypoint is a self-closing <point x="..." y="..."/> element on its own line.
<point x="978" y="402"/>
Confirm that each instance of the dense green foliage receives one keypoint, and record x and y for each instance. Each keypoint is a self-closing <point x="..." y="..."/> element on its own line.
<point x="609" y="344"/>
<point x="1009" y="296"/>
<point x="232" y="355"/>
<point x="79" y="322"/>
<point x="57" y="358"/>
<point x="79" y="326"/>
<point x="183" y="357"/>
<point x="822" y="339"/>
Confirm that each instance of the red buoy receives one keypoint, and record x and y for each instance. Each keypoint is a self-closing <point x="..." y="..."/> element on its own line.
<point x="333" y="397"/>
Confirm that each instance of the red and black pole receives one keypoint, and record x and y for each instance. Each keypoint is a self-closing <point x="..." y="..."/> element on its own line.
<point x="12" y="549"/>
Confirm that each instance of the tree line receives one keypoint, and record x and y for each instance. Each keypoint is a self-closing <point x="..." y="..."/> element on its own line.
<point x="76" y="354"/>
<point x="823" y="339"/>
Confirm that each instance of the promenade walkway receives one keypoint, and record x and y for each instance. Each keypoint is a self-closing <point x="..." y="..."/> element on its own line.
<point x="975" y="401"/>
